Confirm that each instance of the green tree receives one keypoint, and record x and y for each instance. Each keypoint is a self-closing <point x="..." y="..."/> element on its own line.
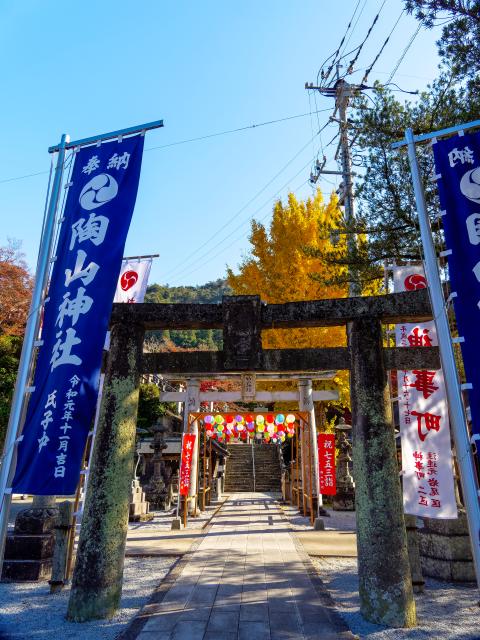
<point x="149" y="406"/>
<point x="459" y="44"/>
<point x="211" y="293"/>
<point x="10" y="349"/>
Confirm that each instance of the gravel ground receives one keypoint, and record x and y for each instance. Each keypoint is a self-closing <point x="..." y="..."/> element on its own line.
<point x="29" y="611"/>
<point x="338" y="520"/>
<point x="162" y="520"/>
<point x="443" y="611"/>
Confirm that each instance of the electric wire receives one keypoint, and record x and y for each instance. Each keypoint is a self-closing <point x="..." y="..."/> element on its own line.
<point x="229" y="131"/>
<point x="404" y="53"/>
<point x="325" y="76"/>
<point x="28" y="175"/>
<point x="367" y="72"/>
<point x="361" y="45"/>
<point x="179" y="142"/>
<point x="235" y="216"/>
<point x="353" y="29"/>
<point x="223" y="249"/>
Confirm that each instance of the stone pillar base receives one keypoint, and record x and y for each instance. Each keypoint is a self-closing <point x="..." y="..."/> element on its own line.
<point x="445" y="550"/>
<point x="29" y="551"/>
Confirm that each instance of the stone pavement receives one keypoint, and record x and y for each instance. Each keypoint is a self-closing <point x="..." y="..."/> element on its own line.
<point x="247" y="580"/>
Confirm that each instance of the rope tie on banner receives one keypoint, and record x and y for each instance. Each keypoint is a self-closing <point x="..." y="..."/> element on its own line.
<point x="98" y="143"/>
<point x="440" y="214"/>
<point x="466" y="386"/>
<point x="458" y="340"/>
<point x="444" y="254"/>
<point x="435" y="177"/>
<point x="120" y="139"/>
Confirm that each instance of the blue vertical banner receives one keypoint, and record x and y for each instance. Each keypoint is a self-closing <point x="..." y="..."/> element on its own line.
<point x="457" y="163"/>
<point x="97" y="215"/>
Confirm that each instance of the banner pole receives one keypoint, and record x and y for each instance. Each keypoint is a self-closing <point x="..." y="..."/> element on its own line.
<point x="31" y="332"/>
<point x="457" y="415"/>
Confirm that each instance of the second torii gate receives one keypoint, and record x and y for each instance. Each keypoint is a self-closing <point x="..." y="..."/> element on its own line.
<point x="305" y="397"/>
<point x="384" y="573"/>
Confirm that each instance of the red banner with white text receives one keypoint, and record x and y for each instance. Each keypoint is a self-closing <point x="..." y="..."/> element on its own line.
<point x="326" y="463"/>
<point x="188" y="444"/>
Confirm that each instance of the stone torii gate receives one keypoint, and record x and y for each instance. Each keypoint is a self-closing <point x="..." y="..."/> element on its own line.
<point x="384" y="573"/>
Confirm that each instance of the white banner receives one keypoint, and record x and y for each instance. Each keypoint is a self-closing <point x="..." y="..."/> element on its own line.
<point x="133" y="280"/>
<point x="428" y="485"/>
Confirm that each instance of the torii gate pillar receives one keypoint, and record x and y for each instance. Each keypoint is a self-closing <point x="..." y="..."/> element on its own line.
<point x="97" y="579"/>
<point x="305" y="392"/>
<point x="385" y="586"/>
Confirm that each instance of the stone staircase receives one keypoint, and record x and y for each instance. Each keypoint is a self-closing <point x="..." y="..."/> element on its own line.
<point x="239" y="474"/>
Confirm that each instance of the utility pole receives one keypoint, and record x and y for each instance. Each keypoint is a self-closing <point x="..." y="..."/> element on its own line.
<point x="342" y="91"/>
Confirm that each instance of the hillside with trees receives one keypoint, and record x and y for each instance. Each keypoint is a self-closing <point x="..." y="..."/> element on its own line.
<point x="208" y="339"/>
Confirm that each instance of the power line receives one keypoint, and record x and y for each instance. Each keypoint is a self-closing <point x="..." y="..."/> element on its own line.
<point x="172" y="144"/>
<point x="188" y="269"/>
<point x="404" y="53"/>
<point x="236" y="214"/>
<point x="223" y="133"/>
<point x="353" y="28"/>
<point x="367" y="72"/>
<point x="361" y="45"/>
<point x="270" y="200"/>
<point x="334" y="56"/>
<point x="28" y="175"/>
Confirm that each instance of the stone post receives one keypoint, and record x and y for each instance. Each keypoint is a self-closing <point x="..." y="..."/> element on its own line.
<point x="62" y="533"/>
<point x="97" y="579"/>
<point x="385" y="587"/>
<point x="192" y="404"/>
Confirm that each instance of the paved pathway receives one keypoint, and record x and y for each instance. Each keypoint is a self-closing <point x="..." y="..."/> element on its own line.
<point x="246" y="581"/>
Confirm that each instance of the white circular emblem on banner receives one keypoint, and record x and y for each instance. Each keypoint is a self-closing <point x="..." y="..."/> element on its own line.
<point x="470" y="185"/>
<point x="98" y="191"/>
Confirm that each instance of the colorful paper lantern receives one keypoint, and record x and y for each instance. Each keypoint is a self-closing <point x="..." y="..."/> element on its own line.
<point x="218" y="419"/>
<point x="260" y="419"/>
<point x="280" y="419"/>
<point x="290" y="418"/>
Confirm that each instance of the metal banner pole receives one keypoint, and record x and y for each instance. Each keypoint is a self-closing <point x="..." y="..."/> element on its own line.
<point x="457" y="415"/>
<point x="31" y="329"/>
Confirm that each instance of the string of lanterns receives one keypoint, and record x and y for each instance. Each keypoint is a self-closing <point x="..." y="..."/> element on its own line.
<point x="269" y="427"/>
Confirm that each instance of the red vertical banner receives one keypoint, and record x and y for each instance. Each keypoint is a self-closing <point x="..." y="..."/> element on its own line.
<point x="326" y="463"/>
<point x="188" y="444"/>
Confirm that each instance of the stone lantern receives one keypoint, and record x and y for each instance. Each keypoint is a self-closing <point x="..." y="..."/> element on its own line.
<point x="156" y="490"/>
<point x="344" y="500"/>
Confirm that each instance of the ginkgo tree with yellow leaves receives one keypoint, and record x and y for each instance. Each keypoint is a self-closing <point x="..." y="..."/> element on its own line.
<point x="279" y="269"/>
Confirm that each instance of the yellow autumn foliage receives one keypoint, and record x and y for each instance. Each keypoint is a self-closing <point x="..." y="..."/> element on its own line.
<point x="279" y="270"/>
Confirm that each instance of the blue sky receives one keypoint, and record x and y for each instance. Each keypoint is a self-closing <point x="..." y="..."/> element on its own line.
<point x="204" y="67"/>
